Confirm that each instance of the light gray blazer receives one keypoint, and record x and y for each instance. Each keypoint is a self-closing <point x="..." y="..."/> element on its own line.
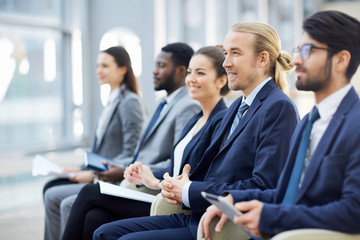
<point x="123" y="128"/>
<point x="156" y="150"/>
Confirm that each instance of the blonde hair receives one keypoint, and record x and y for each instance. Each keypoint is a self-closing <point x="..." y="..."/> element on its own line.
<point x="267" y="39"/>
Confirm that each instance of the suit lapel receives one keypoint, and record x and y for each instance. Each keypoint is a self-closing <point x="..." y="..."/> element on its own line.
<point x="187" y="128"/>
<point x="187" y="151"/>
<point x="214" y="146"/>
<point x="244" y="121"/>
<point x="191" y="145"/>
<point x="228" y="121"/>
<point x="94" y="148"/>
<point x="255" y="105"/>
<point x="325" y="141"/>
<point x="166" y="110"/>
<point x="108" y="120"/>
<point x="219" y="106"/>
<point x="214" y="149"/>
<point x="289" y="165"/>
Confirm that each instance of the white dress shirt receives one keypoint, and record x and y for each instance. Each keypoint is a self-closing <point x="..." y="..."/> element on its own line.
<point x="248" y="100"/>
<point x="180" y="148"/>
<point x="327" y="109"/>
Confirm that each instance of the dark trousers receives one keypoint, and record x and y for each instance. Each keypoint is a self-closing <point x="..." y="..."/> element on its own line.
<point x="91" y="209"/>
<point x="172" y="227"/>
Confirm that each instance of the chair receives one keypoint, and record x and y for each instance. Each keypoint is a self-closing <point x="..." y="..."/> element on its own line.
<point x="315" y="234"/>
<point x="161" y="207"/>
<point x="229" y="231"/>
<point x="232" y="231"/>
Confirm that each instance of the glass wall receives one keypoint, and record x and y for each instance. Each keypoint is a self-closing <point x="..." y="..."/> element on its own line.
<point x="49" y="10"/>
<point x="33" y="93"/>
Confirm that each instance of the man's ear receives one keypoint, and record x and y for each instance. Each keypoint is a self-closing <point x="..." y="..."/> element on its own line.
<point x="342" y="60"/>
<point x="264" y="57"/>
<point x="181" y="72"/>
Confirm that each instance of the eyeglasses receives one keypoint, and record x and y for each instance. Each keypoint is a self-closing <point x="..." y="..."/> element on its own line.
<point x="305" y="50"/>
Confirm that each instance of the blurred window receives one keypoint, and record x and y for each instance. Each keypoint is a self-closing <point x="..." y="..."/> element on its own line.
<point x="33" y="97"/>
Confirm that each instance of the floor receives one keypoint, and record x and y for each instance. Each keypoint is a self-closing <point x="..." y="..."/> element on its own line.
<point x="21" y="208"/>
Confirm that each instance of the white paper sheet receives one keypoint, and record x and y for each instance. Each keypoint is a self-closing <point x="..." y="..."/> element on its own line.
<point x="115" y="190"/>
<point x="43" y="167"/>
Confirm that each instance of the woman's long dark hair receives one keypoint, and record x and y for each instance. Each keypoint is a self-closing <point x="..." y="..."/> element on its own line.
<point x="217" y="57"/>
<point x="122" y="58"/>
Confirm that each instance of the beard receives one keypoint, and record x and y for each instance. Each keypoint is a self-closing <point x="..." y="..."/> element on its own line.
<point x="316" y="82"/>
<point x="168" y="84"/>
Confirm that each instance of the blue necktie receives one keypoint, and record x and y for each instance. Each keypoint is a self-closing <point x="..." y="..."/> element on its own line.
<point x="155" y="118"/>
<point x="243" y="107"/>
<point x="293" y="185"/>
<point x="151" y="125"/>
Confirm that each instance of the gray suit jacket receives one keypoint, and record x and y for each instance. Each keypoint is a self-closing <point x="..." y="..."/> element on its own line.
<point x="123" y="128"/>
<point x="155" y="151"/>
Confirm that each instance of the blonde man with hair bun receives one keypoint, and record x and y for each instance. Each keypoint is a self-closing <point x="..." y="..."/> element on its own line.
<point x="267" y="39"/>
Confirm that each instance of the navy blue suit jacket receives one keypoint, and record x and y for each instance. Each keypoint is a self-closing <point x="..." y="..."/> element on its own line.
<point x="254" y="155"/>
<point x="200" y="142"/>
<point x="329" y="197"/>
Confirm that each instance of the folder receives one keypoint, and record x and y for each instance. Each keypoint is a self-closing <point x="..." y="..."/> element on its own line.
<point x="41" y="166"/>
<point x="95" y="161"/>
<point x="117" y="191"/>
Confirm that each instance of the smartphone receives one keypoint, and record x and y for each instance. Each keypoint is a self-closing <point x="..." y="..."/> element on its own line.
<point x="228" y="209"/>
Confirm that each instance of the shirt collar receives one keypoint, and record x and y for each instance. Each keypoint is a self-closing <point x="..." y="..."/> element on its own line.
<point x="329" y="105"/>
<point x="172" y="95"/>
<point x="113" y="95"/>
<point x="249" y="99"/>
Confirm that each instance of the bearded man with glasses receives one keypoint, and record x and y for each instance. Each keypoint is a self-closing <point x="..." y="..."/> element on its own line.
<point x="320" y="184"/>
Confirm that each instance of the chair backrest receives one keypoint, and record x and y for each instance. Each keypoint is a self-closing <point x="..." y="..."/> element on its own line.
<point x="315" y="234"/>
<point x="229" y="231"/>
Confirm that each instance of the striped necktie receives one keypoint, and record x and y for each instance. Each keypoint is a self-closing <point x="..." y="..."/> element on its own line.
<point x="243" y="107"/>
<point x="293" y="185"/>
